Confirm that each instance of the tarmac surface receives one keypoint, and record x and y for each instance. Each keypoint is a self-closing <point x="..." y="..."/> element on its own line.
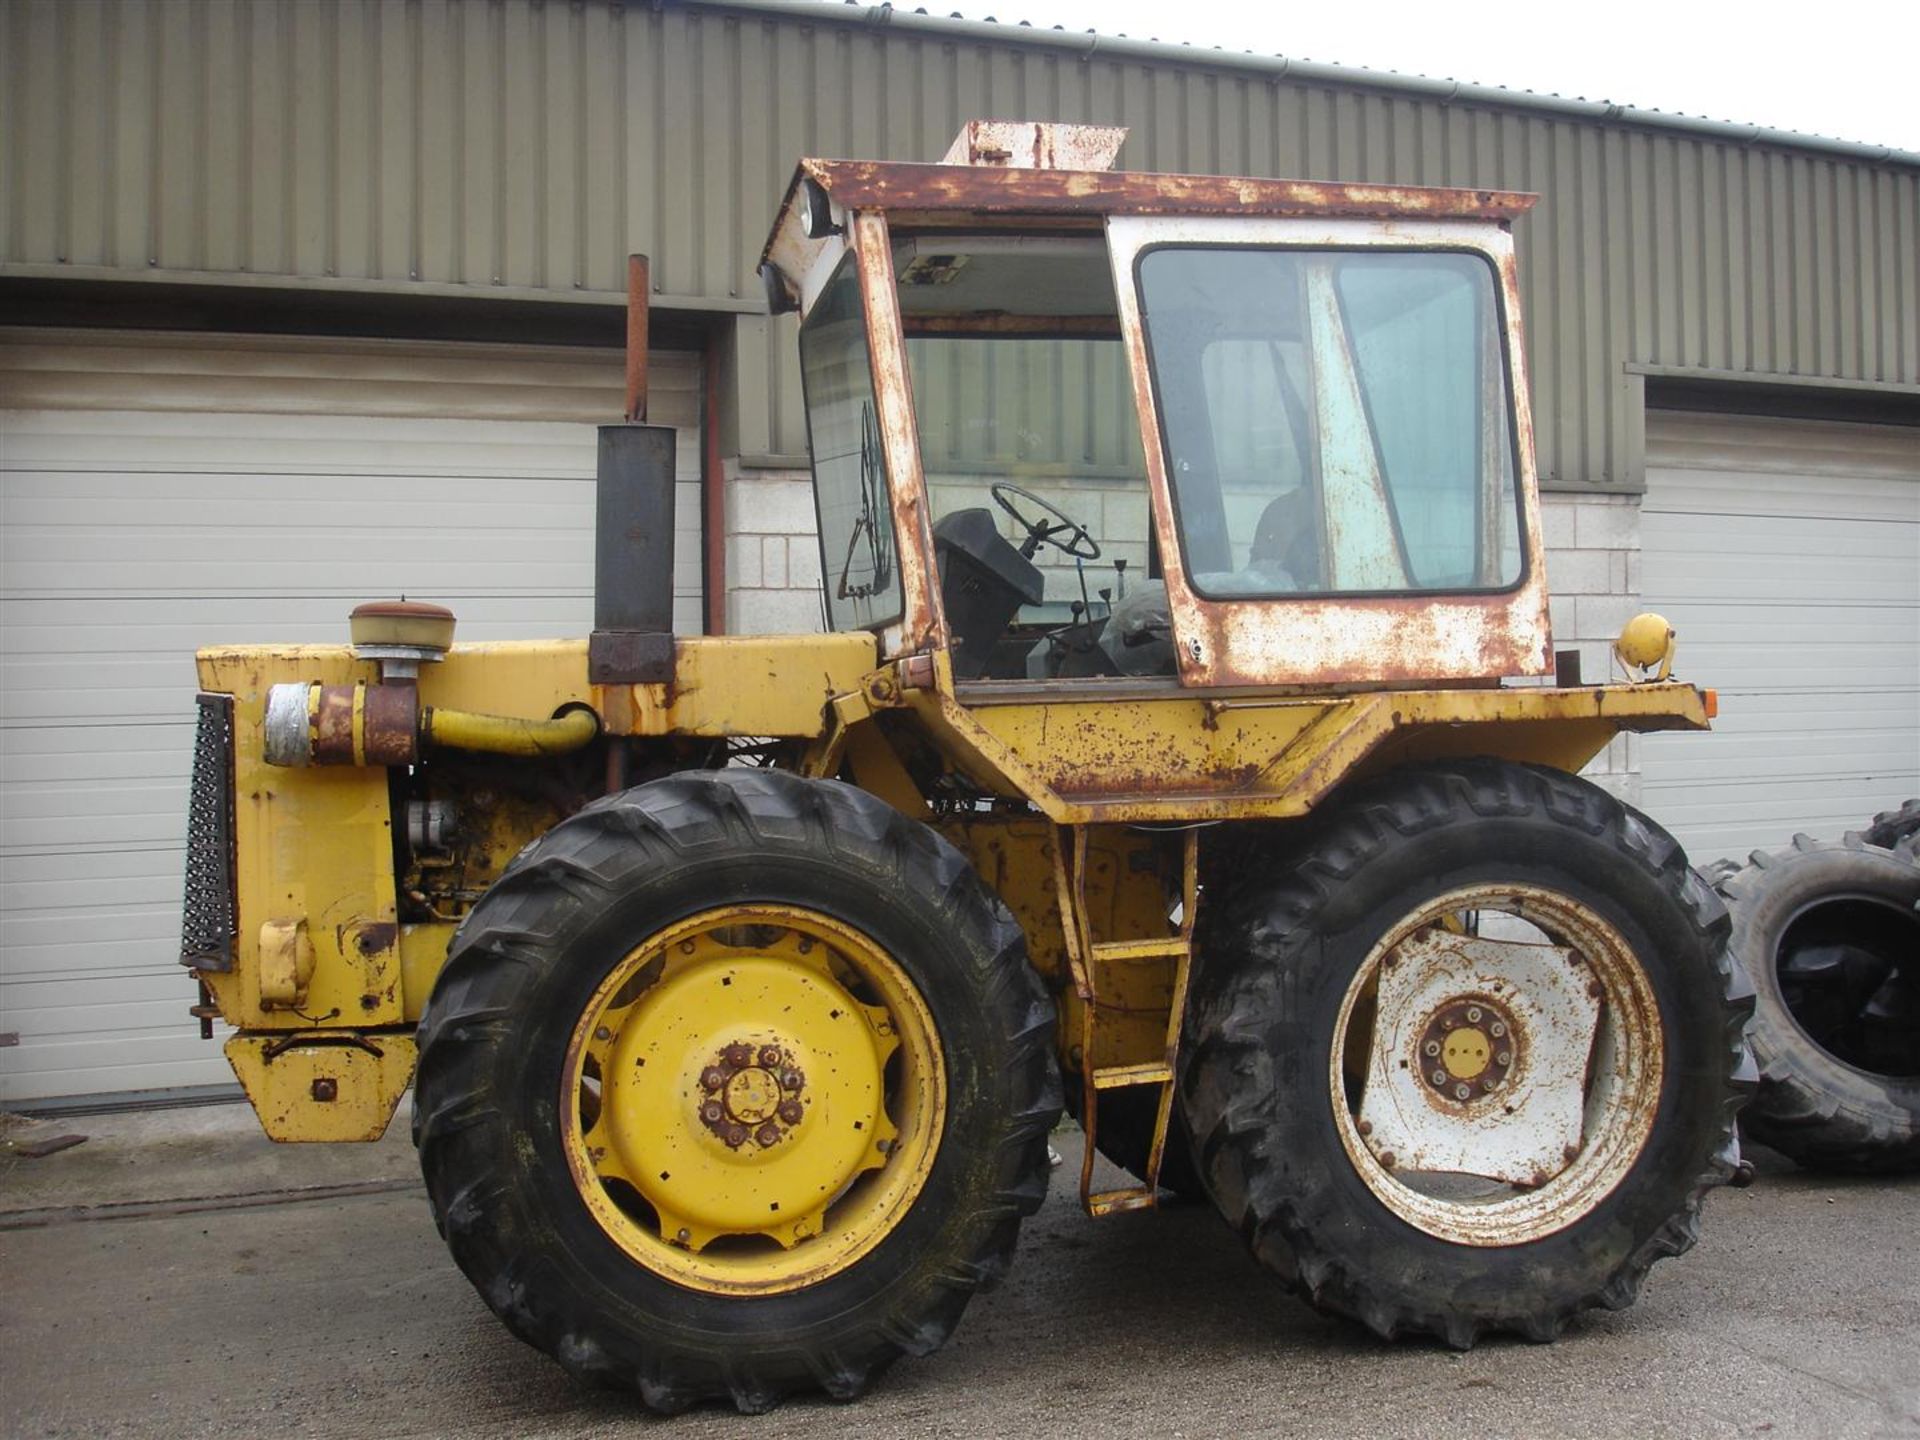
<point x="178" y="1275"/>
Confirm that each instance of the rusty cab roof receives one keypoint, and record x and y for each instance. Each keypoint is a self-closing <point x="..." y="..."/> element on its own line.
<point x="1001" y="175"/>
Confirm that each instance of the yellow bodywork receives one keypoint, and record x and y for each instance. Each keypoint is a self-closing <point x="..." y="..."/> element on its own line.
<point x="314" y="847"/>
<point x="323" y="1084"/>
<point x="320" y="944"/>
<point x="323" y="947"/>
<point x="1088" y="759"/>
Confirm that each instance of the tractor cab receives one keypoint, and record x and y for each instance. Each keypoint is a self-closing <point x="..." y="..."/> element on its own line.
<point x="1072" y="424"/>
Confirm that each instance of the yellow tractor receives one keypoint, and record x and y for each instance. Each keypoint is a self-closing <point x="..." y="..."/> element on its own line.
<point x="1186" y="729"/>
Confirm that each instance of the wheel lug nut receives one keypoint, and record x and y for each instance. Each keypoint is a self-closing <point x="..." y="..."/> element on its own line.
<point x="769" y="1056"/>
<point x="736" y="1135"/>
<point x="739" y="1055"/>
<point x="1440" y="1078"/>
<point x="767" y="1134"/>
<point x="1488" y="1083"/>
<point x="711" y="1112"/>
<point x="601" y="1032"/>
<point x="1386" y="1158"/>
<point x="1503" y="1058"/>
<point x="1473" y="1014"/>
<point x="713" y="1077"/>
<point x="1498" y="1028"/>
<point x="791" y="1112"/>
<point x="1432" y="1048"/>
<point x="791" y="1080"/>
<point x="1365" y="1127"/>
<point x="1461" y="1092"/>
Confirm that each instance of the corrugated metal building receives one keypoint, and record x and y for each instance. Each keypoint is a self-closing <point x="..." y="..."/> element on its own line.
<point x="307" y="301"/>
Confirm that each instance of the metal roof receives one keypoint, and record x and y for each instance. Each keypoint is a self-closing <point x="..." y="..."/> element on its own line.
<point x="1088" y="44"/>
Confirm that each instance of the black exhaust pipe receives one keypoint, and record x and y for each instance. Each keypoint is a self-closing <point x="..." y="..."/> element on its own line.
<point x="632" y="641"/>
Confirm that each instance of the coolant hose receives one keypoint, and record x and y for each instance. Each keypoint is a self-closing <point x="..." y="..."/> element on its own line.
<point x="504" y="735"/>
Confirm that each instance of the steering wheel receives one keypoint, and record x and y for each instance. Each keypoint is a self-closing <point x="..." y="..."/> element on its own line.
<point x="1078" y="542"/>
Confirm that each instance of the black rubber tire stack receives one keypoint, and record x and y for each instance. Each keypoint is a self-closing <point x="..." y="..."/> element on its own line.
<point x="1278" y="953"/>
<point x="1815" y="1105"/>
<point x="524" y="965"/>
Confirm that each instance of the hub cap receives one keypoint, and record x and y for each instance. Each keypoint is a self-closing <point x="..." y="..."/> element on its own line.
<point x="752" y="1099"/>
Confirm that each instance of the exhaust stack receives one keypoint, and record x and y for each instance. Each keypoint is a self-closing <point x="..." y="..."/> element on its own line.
<point x="632" y="641"/>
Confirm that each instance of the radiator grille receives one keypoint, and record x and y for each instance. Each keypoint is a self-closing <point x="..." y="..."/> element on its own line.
<point x="207" y="927"/>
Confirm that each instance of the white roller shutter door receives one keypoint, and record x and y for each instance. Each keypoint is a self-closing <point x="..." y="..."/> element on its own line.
<point x="158" y="493"/>
<point x="1787" y="555"/>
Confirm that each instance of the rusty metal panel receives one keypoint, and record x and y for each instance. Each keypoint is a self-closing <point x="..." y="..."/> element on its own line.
<point x="518" y="149"/>
<point x="984" y="192"/>
<point x="1169" y="754"/>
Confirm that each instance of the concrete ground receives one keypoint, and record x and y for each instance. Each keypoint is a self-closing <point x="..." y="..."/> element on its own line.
<point x="177" y="1275"/>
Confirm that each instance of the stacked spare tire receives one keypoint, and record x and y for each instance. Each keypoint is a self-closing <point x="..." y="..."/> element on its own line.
<point x="1829" y="931"/>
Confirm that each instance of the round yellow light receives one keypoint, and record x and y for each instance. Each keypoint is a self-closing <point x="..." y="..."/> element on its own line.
<point x="1644" y="640"/>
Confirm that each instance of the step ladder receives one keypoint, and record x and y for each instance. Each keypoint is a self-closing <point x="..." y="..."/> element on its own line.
<point x="1092" y="961"/>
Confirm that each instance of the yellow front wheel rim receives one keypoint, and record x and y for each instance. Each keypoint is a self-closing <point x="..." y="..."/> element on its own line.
<point x="752" y="1099"/>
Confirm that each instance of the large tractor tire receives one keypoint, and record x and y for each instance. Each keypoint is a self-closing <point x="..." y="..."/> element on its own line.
<point x="1469" y="1062"/>
<point x="735" y="1085"/>
<point x="1890" y="827"/>
<point x="1831" y="937"/>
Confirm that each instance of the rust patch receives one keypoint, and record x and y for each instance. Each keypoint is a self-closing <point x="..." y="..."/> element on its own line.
<point x="333" y="726"/>
<point x="921" y="626"/>
<point x="377" y="938"/>
<point x="893" y="185"/>
<point x="1031" y="144"/>
<point x="391" y="721"/>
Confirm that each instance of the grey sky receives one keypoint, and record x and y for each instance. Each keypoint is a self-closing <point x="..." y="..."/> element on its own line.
<point x="1840" y="68"/>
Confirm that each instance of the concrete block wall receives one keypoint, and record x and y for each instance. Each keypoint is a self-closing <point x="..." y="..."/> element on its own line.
<point x="773" y="553"/>
<point x="1593" y="572"/>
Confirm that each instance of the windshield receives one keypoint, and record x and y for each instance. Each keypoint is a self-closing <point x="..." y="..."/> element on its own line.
<point x="861" y="580"/>
<point x="1335" y="421"/>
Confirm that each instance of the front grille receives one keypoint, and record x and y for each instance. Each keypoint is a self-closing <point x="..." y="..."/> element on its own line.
<point x="208" y="925"/>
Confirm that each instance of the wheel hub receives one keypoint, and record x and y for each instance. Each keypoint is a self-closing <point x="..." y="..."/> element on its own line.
<point x="1467" y="1049"/>
<point x="751" y="1096"/>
